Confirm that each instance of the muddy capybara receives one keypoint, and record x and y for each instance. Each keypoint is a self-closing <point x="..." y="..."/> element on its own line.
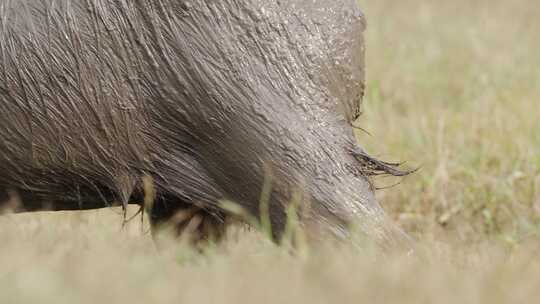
<point x="210" y="99"/>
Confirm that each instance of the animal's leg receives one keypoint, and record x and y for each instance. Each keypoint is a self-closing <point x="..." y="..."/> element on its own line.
<point x="4" y="199"/>
<point x="186" y="220"/>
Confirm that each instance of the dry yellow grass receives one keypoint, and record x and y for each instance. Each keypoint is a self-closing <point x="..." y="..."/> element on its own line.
<point x="84" y="258"/>
<point x="453" y="89"/>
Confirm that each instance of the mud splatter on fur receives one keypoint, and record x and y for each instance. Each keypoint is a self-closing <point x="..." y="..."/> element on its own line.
<point x="199" y="95"/>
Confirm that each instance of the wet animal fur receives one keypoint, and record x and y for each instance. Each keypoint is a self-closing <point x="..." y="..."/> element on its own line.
<point x="97" y="94"/>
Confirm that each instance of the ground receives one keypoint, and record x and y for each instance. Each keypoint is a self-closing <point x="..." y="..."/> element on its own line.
<point x="453" y="89"/>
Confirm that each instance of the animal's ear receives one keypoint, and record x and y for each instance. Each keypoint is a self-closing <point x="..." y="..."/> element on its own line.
<point x="347" y="65"/>
<point x="352" y="107"/>
<point x="357" y="105"/>
<point x="352" y="81"/>
<point x="357" y="102"/>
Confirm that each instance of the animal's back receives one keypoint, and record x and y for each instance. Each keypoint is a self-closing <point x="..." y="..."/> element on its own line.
<point x="72" y="108"/>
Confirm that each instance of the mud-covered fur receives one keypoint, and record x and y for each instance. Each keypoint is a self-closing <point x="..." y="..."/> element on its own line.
<point x="207" y="98"/>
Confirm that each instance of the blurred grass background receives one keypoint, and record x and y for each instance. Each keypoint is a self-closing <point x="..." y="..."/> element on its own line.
<point x="452" y="88"/>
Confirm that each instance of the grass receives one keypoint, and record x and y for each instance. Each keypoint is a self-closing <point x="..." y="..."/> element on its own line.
<point x="452" y="89"/>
